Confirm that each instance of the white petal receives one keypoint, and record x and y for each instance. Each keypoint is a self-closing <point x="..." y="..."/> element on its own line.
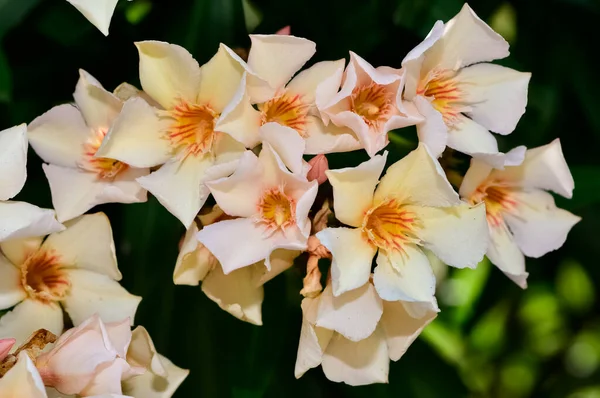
<point x="432" y="132"/>
<point x="506" y="255"/>
<point x="98" y="12"/>
<point x="350" y="268"/>
<point x="354" y="314"/>
<point x="98" y="106"/>
<point x="287" y="143"/>
<point x="87" y="243"/>
<point x="328" y="139"/>
<point x="400" y="328"/>
<point x="457" y="235"/>
<point x="469" y="137"/>
<point x="478" y="172"/>
<point x="150" y="385"/>
<point x="11" y="291"/>
<point x="496" y="95"/>
<point x="21" y="220"/>
<point x="313" y="340"/>
<point x="17" y="250"/>
<point x="13" y="161"/>
<point x="28" y="317"/>
<point x="58" y="135"/>
<point x="308" y="82"/>
<point x="357" y="363"/>
<point x="22" y="380"/>
<point x="353" y="189"/>
<point x="372" y="141"/>
<point x="194" y="260"/>
<point x="92" y="293"/>
<point x="235" y="293"/>
<point x="419" y="179"/>
<point x="137" y="136"/>
<point x="168" y="72"/>
<point x="537" y="225"/>
<point x="404" y="276"/>
<point x="142" y="352"/>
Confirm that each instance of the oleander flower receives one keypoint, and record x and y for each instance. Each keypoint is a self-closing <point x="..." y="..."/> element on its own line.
<point x="353" y="336"/>
<point x="294" y="104"/>
<point x="370" y="104"/>
<point x="181" y="136"/>
<point x="460" y="95"/>
<point x="98" y="12"/>
<point x="68" y="137"/>
<point x="413" y="206"/>
<point x="75" y="269"/>
<point x="22" y="380"/>
<point x="522" y="217"/>
<point x="19" y="219"/>
<point x="240" y="292"/>
<point x="269" y="206"/>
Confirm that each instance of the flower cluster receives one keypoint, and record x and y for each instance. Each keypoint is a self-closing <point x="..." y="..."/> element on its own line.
<point x="239" y="130"/>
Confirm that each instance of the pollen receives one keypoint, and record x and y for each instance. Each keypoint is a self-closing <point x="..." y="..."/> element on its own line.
<point x="445" y="93"/>
<point x="192" y="131"/>
<point x="287" y="110"/>
<point x="374" y="103"/>
<point x="499" y="199"/>
<point x="105" y="168"/>
<point x="43" y="276"/>
<point x="390" y="226"/>
<point x="276" y="209"/>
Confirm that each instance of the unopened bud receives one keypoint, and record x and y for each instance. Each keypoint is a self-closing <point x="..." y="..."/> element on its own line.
<point x="318" y="166"/>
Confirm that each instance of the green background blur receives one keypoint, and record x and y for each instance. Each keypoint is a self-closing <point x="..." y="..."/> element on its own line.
<point x="492" y="339"/>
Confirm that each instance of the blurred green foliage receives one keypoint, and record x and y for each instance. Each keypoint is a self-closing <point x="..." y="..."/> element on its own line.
<point x="492" y="339"/>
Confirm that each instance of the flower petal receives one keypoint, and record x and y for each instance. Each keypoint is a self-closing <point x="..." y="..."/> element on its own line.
<point x="143" y="354"/>
<point x="150" y="385"/>
<point x="287" y="143"/>
<point x="433" y="132"/>
<point x="194" y="260"/>
<point x="328" y="139"/>
<point x="469" y="137"/>
<point x="21" y="220"/>
<point x="98" y="106"/>
<point x="313" y="340"/>
<point x="506" y="255"/>
<point x="308" y="82"/>
<point x="94" y="293"/>
<point x="107" y="378"/>
<point x="350" y="268"/>
<point x="478" y="172"/>
<point x="28" y="317"/>
<point x="279" y="261"/>
<point x="353" y="189"/>
<point x="11" y="291"/>
<point x="22" y="380"/>
<point x="16" y="251"/>
<point x="13" y="161"/>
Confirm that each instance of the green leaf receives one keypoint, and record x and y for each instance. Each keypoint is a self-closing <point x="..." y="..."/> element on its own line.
<point x="575" y="287"/>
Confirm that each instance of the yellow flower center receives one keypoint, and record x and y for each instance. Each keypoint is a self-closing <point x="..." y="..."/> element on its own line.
<point x="445" y="94"/>
<point x="373" y="102"/>
<point x="277" y="210"/>
<point x="43" y="277"/>
<point x="498" y="197"/>
<point x="286" y="110"/>
<point x="105" y="168"/>
<point x="193" y="128"/>
<point x="390" y="226"/>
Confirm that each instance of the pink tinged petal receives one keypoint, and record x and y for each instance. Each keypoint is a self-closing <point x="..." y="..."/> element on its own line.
<point x="194" y="260"/>
<point x="93" y="293"/>
<point x="313" y="339"/>
<point x="28" y="317"/>
<point x="469" y="137"/>
<point x="17" y="250"/>
<point x="372" y="141"/>
<point x="537" y="225"/>
<point x="13" y="161"/>
<point x="168" y="72"/>
<point x="119" y="334"/>
<point x="178" y="186"/>
<point x="352" y="256"/>
<point x="506" y="255"/>
<point x="22" y="380"/>
<point x="11" y="291"/>
<point x="58" y="135"/>
<point x="404" y="276"/>
<point x="354" y="314"/>
<point x="457" y="235"/>
<point x="150" y="385"/>
<point x="21" y="220"/>
<point x="305" y="197"/>
<point x="467" y="40"/>
<point x="107" y="378"/>
<point x="496" y="95"/>
<point x="286" y="30"/>
<point x="432" y="132"/>
<point x="353" y="189"/>
<point x="137" y="136"/>
<point x="276" y="58"/>
<point x="321" y="76"/>
<point x="98" y="106"/>
<point x="328" y="139"/>
<point x="5" y="346"/>
<point x="235" y="293"/>
<point x="544" y="167"/>
<point x="87" y="243"/>
<point x="98" y="12"/>
<point x="288" y="144"/>
<point x="357" y="363"/>
<point x="142" y="353"/>
<point x="318" y="166"/>
<point x="417" y="179"/>
<point x="400" y="328"/>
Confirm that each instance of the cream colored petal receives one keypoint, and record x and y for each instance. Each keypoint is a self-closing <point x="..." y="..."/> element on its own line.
<point x="280" y="260"/>
<point x="354" y="314"/>
<point x="11" y="291"/>
<point x="350" y="268"/>
<point x="87" y="243"/>
<point x="417" y="179"/>
<point x="400" y="328"/>
<point x="137" y="136"/>
<point x="98" y="106"/>
<point x="478" y="172"/>
<point x="457" y="235"/>
<point x="357" y="363"/>
<point x="313" y="340"/>
<point x="194" y="260"/>
<point x="506" y="255"/>
<point x="308" y="82"/>
<point x="58" y="135"/>
<point x="13" y="161"/>
<point x="328" y="139"/>
<point x="98" y="12"/>
<point x="17" y="250"/>
<point x="107" y="378"/>
<point x="537" y="225"/>
<point x="28" y="317"/>
<point x="372" y="141"/>
<point x="125" y="188"/>
<point x="469" y="137"/>
<point x="93" y="293"/>
<point x="177" y="186"/>
<point x="150" y="385"/>
<point x="143" y="354"/>
<point x="168" y="72"/>
<point x="235" y="293"/>
<point x="22" y="380"/>
<point x="353" y="189"/>
<point x="21" y="220"/>
<point x="432" y="131"/>
<point x="287" y="143"/>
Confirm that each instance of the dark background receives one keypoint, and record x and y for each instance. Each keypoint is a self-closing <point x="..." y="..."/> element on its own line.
<point x="492" y="339"/>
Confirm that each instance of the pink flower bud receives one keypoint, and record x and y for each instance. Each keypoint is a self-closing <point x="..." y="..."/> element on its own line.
<point x="285" y="31"/>
<point x="5" y="347"/>
<point x="319" y="166"/>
